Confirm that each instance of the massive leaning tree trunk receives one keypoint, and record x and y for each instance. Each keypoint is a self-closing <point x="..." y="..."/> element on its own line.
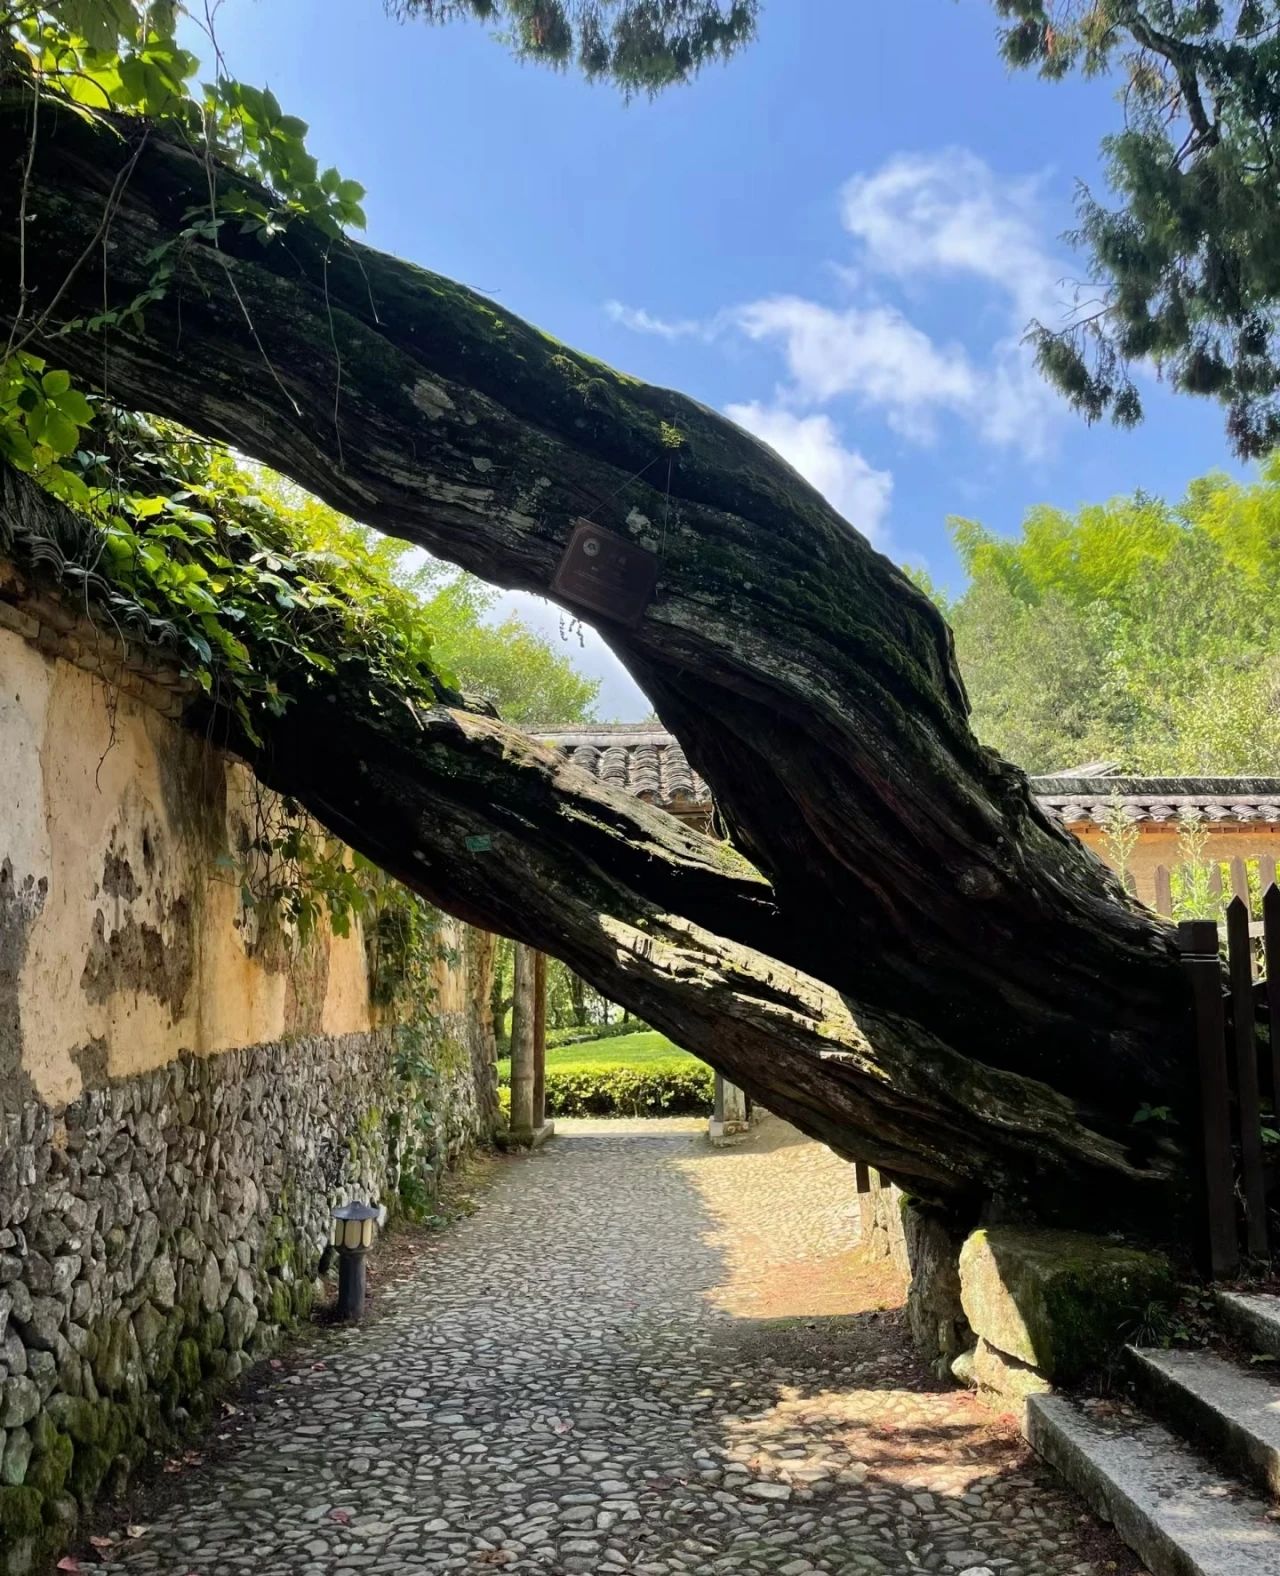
<point x="961" y="991"/>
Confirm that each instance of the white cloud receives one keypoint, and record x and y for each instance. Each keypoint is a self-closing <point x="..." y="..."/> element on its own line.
<point x="811" y="443"/>
<point x="929" y="218"/>
<point x="872" y="353"/>
<point x="641" y="322"/>
<point x="1018" y="407"/>
<point x="920" y="222"/>
<point x="949" y="213"/>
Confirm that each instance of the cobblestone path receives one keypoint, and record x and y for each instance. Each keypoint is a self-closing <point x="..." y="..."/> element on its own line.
<point x="639" y="1355"/>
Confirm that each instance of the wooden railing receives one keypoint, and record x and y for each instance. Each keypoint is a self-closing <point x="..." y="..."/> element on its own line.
<point x="1240" y="877"/>
<point x="1238" y="1076"/>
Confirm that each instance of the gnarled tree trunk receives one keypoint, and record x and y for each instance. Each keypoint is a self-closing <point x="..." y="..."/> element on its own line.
<point x="966" y="970"/>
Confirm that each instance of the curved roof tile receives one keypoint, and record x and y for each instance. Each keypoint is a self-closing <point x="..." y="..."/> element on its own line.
<point x="647" y="761"/>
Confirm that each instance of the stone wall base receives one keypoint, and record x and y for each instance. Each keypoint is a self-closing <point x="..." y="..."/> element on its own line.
<point x="158" y="1235"/>
<point x="925" y="1249"/>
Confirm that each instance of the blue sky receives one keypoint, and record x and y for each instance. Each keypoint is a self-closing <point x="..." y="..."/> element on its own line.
<point x="837" y="238"/>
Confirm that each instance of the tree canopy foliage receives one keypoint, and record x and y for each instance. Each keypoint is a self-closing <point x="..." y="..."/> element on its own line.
<point x="640" y="45"/>
<point x="506" y="663"/>
<point x="1134" y="631"/>
<point x="1186" y="253"/>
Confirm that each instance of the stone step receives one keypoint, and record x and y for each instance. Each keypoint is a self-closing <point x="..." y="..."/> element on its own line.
<point x="1180" y="1514"/>
<point x="1216" y="1402"/>
<point x="1254" y="1317"/>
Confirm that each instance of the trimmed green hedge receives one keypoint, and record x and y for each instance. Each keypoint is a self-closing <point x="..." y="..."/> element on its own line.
<point x="674" y="1088"/>
<point x="636" y="1073"/>
<point x="650" y="1085"/>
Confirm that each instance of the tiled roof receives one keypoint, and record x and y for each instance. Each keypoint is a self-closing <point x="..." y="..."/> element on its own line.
<point x="1233" y="801"/>
<point x="646" y="760"/>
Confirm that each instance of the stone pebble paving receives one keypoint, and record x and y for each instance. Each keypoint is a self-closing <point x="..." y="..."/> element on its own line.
<point x="640" y="1354"/>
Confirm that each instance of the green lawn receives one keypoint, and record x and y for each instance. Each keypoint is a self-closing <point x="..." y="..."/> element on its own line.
<point x="646" y="1049"/>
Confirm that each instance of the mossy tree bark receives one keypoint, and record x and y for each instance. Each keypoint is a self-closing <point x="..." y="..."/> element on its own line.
<point x="502" y="832"/>
<point x="979" y="946"/>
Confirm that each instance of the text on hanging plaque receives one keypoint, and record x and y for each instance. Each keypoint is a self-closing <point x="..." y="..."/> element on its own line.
<point x="606" y="573"/>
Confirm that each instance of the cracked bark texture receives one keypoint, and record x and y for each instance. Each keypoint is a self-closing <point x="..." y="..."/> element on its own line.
<point x="1001" y="981"/>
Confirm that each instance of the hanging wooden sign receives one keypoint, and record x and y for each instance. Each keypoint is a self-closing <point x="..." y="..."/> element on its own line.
<point x="606" y="574"/>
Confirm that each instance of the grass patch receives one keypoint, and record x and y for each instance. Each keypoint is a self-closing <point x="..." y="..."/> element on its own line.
<point x="642" y="1049"/>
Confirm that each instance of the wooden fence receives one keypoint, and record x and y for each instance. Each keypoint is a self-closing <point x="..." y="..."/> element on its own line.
<point x="1238" y="1073"/>
<point x="1240" y="877"/>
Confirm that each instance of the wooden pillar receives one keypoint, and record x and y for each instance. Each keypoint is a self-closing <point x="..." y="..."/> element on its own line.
<point x="729" y="1111"/>
<point x="866" y="1205"/>
<point x="522" y="1046"/>
<point x="539" y="1040"/>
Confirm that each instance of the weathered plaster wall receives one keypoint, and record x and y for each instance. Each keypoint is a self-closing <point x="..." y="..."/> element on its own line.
<point x="123" y="833"/>
<point x="181" y="1100"/>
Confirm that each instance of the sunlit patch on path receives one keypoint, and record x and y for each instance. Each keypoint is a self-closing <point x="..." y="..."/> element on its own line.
<point x="641" y="1355"/>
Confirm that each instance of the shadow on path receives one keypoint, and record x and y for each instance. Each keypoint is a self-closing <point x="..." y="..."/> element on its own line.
<point x="639" y="1355"/>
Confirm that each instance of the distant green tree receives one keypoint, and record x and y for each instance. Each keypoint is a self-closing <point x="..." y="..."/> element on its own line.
<point x="1130" y="631"/>
<point x="507" y="663"/>
<point x="642" y="46"/>
<point x="1186" y="257"/>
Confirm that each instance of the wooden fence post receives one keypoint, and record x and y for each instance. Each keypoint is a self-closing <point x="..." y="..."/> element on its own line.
<point x="1219" y="1248"/>
<point x="1271" y="962"/>
<point x="1164" y="891"/>
<point x="1240" y="963"/>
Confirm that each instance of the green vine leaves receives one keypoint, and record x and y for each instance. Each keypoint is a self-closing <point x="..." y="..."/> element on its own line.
<point x="41" y="421"/>
<point x="124" y="56"/>
<point x="241" y="581"/>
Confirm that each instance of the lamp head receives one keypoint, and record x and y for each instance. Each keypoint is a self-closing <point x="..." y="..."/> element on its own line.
<point x="353" y="1226"/>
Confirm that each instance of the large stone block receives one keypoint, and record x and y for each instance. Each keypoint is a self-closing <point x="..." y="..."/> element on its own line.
<point x="934" y="1311"/>
<point x="43" y="1325"/>
<point x="16" y="1458"/>
<point x="1003" y="1381"/>
<point x="1058" y="1301"/>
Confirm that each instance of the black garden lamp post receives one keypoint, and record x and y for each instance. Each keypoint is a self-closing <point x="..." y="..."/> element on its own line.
<point x="353" y="1226"/>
